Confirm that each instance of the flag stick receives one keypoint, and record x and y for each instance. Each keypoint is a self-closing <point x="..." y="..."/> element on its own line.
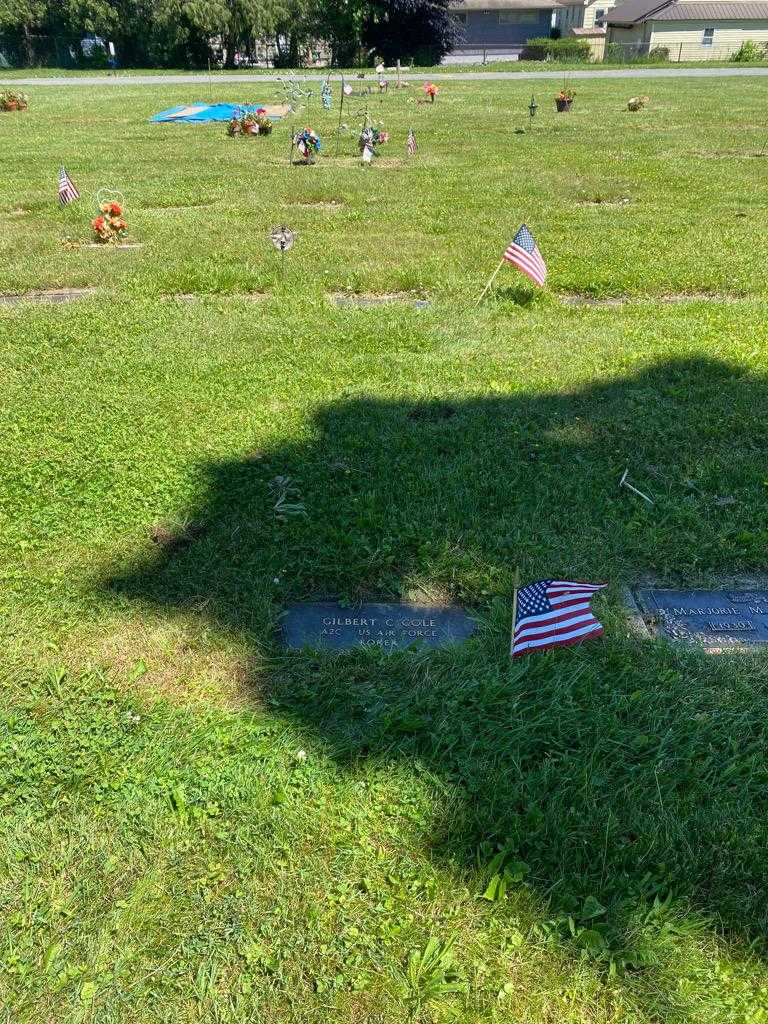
<point x="491" y="279"/>
<point x="514" y="611"/>
<point x="290" y="153"/>
<point x="341" y="109"/>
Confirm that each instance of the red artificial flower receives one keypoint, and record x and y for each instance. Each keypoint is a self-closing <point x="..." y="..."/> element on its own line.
<point x="98" y="224"/>
<point x="115" y="209"/>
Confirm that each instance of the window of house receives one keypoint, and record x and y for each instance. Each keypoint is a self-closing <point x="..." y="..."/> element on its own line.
<point x="600" y="17"/>
<point x="461" y="18"/>
<point x="518" y="17"/>
<point x="707" y="38"/>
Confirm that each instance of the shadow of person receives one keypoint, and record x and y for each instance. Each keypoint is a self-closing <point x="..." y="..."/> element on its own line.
<point x="622" y="768"/>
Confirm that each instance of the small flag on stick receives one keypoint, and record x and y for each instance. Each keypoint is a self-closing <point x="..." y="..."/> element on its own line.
<point x="68" y="192"/>
<point x="553" y="613"/>
<point x="523" y="253"/>
<point x="347" y="89"/>
<point x="410" y="143"/>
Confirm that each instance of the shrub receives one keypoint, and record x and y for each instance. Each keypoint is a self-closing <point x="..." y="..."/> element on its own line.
<point x="577" y="50"/>
<point x="748" y="51"/>
<point x="658" y="54"/>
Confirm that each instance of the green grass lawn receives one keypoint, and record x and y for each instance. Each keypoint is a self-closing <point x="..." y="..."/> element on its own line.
<point x="199" y="827"/>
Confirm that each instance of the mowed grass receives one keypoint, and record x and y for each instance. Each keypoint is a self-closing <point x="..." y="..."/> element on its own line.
<point x="197" y="826"/>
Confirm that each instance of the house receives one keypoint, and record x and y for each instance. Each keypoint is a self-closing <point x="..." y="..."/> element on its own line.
<point x="502" y="25"/>
<point x="689" y="29"/>
<point x="585" y="14"/>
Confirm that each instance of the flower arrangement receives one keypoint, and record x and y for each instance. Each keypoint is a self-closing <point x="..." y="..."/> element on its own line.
<point x="431" y="91"/>
<point x="11" y="100"/>
<point x="109" y="226"/>
<point x="251" y="123"/>
<point x="370" y="137"/>
<point x="308" y="144"/>
<point x="564" y="99"/>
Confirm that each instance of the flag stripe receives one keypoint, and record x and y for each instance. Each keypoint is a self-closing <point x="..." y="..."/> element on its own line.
<point x="577" y="639"/>
<point x="547" y="629"/>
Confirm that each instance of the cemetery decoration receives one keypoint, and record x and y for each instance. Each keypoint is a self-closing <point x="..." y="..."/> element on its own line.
<point x="11" y="100"/>
<point x="410" y="143"/>
<point x="327" y="625"/>
<point x="431" y="91"/>
<point x="533" y="106"/>
<point x="109" y="226"/>
<point x="638" y="102"/>
<point x="68" y="191"/>
<point x="564" y="100"/>
<point x="282" y="238"/>
<point x="523" y="253"/>
<point x="308" y="143"/>
<point x="713" y="620"/>
<point x="201" y="113"/>
<point x="326" y="95"/>
<point x="552" y="613"/>
<point x="371" y="137"/>
<point x="249" y="123"/>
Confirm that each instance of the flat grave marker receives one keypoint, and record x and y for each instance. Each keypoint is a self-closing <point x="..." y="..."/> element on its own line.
<point x="715" y="620"/>
<point x="327" y="625"/>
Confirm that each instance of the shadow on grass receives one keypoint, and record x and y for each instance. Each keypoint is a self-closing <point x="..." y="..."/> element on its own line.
<point x="622" y="769"/>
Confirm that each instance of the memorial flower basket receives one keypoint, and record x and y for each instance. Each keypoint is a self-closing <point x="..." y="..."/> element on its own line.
<point x="564" y="99"/>
<point x="431" y="91"/>
<point x="251" y="123"/>
<point x="11" y="100"/>
<point x="109" y="226"/>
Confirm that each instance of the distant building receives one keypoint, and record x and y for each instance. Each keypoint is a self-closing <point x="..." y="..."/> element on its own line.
<point x="502" y="25"/>
<point x="586" y="14"/>
<point x="689" y="29"/>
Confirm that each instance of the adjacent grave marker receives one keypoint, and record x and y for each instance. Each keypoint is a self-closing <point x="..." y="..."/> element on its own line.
<point x="392" y="627"/>
<point x="715" y="620"/>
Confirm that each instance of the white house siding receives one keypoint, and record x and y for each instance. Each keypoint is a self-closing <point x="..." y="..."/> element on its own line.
<point x="590" y="13"/>
<point x="728" y="37"/>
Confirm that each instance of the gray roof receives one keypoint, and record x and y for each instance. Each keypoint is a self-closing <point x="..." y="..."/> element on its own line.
<point x="457" y="6"/>
<point x="634" y="11"/>
<point x="713" y="9"/>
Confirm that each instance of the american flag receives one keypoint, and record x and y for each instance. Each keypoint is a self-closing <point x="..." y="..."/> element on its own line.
<point x="68" y="192"/>
<point x="551" y="613"/>
<point x="410" y="144"/>
<point x="523" y="253"/>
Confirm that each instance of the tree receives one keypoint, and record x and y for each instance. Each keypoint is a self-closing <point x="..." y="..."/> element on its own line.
<point x="422" y="30"/>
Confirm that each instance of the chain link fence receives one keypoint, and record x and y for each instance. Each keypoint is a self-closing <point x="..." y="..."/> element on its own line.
<point x="602" y="51"/>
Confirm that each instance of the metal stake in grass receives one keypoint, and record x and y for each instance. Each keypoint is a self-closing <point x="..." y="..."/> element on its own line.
<point x="624" y="483"/>
<point x="516" y="586"/>
<point x="341" y="110"/>
<point x="490" y="281"/>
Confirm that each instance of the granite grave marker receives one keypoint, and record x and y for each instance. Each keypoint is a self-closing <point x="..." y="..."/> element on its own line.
<point x="715" y="620"/>
<point x="326" y="625"/>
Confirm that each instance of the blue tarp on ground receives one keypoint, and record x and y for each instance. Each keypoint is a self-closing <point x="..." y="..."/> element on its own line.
<point x="200" y="112"/>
